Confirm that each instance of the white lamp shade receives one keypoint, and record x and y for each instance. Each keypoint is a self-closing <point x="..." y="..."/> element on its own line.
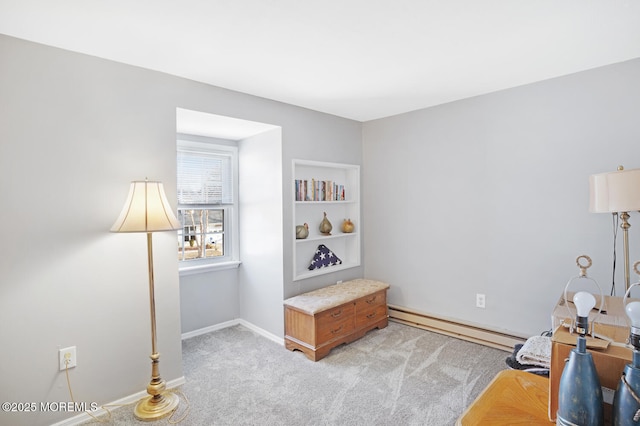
<point x="617" y="191"/>
<point x="146" y="210"/>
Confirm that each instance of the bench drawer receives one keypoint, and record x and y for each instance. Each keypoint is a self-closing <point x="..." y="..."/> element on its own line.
<point x="335" y="323"/>
<point x="371" y="315"/>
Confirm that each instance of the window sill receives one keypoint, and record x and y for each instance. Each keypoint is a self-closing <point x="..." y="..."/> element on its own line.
<point x="211" y="267"/>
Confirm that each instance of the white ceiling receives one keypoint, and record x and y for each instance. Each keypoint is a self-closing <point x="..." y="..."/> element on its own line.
<point x="360" y="59"/>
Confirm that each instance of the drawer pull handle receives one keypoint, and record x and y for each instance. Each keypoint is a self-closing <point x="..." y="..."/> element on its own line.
<point x="337" y="314"/>
<point x="371" y="315"/>
<point x="337" y="330"/>
<point x="373" y="299"/>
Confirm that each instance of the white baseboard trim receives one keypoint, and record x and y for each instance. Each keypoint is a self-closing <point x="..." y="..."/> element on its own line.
<point x="209" y="329"/>
<point x="239" y="321"/>
<point x="102" y="411"/>
<point x="263" y="332"/>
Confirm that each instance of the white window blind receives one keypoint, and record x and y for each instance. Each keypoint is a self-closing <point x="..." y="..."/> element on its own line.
<point x="204" y="178"/>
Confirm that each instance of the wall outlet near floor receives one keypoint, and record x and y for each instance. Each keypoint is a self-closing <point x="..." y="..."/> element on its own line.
<point x="67" y="357"/>
<point x="480" y="299"/>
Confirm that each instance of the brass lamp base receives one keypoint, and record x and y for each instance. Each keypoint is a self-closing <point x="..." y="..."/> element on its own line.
<point x="156" y="407"/>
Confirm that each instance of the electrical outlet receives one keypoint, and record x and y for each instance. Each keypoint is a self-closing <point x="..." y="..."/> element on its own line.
<point x="339" y="282"/>
<point x="67" y="357"/>
<point x="480" y="299"/>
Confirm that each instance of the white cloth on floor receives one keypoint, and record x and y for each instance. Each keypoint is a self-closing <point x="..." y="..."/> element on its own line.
<point x="536" y="351"/>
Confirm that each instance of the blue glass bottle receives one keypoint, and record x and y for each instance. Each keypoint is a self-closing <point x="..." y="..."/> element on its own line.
<point x="626" y="407"/>
<point x="580" y="394"/>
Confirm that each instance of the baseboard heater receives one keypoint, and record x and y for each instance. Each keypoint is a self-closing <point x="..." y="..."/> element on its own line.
<point x="471" y="333"/>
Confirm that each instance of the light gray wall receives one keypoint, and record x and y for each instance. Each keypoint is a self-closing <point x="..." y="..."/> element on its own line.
<point x="261" y="228"/>
<point x="490" y="195"/>
<point x="208" y="299"/>
<point x="74" y="131"/>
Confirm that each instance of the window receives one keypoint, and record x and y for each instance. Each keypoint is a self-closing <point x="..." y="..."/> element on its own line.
<point x="207" y="205"/>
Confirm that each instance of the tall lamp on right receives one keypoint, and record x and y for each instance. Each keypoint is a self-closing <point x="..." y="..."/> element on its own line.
<point x="617" y="192"/>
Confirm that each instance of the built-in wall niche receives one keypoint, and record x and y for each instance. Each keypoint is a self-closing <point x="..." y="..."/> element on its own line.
<point x="334" y="189"/>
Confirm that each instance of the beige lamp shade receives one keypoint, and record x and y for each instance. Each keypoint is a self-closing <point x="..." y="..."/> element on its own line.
<point x="617" y="191"/>
<point x="146" y="210"/>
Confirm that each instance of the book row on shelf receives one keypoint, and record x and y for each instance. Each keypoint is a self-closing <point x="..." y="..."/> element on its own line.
<point x="319" y="190"/>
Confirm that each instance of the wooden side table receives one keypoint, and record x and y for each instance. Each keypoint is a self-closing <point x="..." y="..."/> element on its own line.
<point x="513" y="397"/>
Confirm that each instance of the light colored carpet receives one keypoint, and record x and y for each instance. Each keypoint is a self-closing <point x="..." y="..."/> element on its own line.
<point x="399" y="375"/>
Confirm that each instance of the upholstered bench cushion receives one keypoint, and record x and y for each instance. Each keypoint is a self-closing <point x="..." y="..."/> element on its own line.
<point x="334" y="295"/>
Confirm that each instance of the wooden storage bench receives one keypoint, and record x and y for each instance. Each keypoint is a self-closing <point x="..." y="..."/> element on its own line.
<point x="320" y="320"/>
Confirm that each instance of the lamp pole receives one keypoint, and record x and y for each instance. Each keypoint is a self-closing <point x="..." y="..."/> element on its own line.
<point x="160" y="403"/>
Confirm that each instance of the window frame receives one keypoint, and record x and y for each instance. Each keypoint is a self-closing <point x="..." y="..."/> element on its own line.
<point x="231" y="257"/>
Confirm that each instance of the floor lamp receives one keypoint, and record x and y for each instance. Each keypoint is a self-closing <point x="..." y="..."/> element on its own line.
<point x="617" y="192"/>
<point x="147" y="210"/>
